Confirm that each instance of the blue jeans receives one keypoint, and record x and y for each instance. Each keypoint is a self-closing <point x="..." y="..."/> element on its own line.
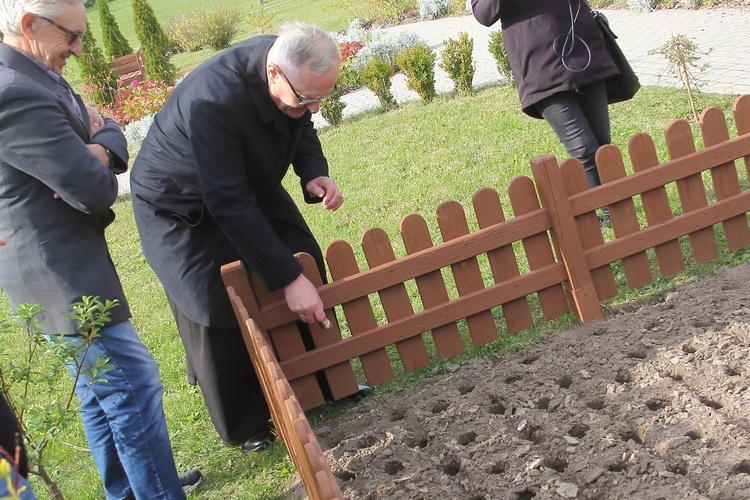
<point x="580" y="120"/>
<point x="124" y="419"/>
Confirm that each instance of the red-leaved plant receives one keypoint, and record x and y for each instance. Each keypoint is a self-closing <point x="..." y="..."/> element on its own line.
<point x="137" y="100"/>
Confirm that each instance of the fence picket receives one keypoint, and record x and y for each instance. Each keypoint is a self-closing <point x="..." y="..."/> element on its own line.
<point x="287" y="342"/>
<point x="691" y="191"/>
<point x="358" y="312"/>
<point x="523" y="199"/>
<point x="656" y="204"/>
<point x="503" y="261"/>
<point x="466" y="273"/>
<point x="741" y="111"/>
<point x="395" y="299"/>
<point x="574" y="180"/>
<point x="624" y="219"/>
<point x="724" y="177"/>
<point x="416" y="237"/>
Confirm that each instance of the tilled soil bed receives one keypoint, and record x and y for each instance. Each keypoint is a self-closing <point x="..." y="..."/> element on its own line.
<point x="650" y="404"/>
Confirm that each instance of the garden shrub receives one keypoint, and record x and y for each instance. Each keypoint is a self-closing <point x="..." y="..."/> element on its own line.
<point x="433" y="9"/>
<point x="376" y="76"/>
<point x="183" y="35"/>
<point x="418" y="63"/>
<point x="497" y="49"/>
<point x="137" y="100"/>
<point x="458" y="63"/>
<point x="217" y="25"/>
<point x="154" y="43"/>
<point x="115" y="44"/>
<point x="332" y="107"/>
<point x="263" y="20"/>
<point x="348" y="78"/>
<point x="98" y="78"/>
<point x="385" y="46"/>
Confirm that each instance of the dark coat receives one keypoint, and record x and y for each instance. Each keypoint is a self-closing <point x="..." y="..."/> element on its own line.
<point x="56" y="251"/>
<point x="207" y="182"/>
<point x="535" y="33"/>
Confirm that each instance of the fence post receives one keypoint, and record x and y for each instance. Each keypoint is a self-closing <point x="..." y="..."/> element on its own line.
<point x="551" y="188"/>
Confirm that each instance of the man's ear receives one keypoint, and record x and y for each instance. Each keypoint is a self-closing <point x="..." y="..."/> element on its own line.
<point x="27" y="25"/>
<point x="272" y="71"/>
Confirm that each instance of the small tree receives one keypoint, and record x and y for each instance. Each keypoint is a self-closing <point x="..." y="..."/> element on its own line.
<point x="98" y="78"/>
<point x="497" y="49"/>
<point x="45" y="414"/>
<point x="376" y="76"/>
<point x="154" y="43"/>
<point x="682" y="56"/>
<point x="418" y="62"/>
<point x="115" y="44"/>
<point x="458" y="63"/>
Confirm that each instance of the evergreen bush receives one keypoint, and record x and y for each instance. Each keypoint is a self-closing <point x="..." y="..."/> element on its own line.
<point x="115" y="44"/>
<point x="376" y="76"/>
<point x="332" y="107"/>
<point x="154" y="43"/>
<point x="497" y="49"/>
<point x="98" y="78"/>
<point x="418" y="63"/>
<point x="457" y="62"/>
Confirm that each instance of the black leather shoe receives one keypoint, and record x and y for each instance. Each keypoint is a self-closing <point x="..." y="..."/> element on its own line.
<point x="259" y="441"/>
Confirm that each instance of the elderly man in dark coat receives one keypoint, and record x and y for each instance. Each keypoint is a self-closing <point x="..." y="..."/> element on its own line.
<point x="207" y="191"/>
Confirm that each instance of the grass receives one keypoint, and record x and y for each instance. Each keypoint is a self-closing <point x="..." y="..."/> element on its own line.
<point x="388" y="165"/>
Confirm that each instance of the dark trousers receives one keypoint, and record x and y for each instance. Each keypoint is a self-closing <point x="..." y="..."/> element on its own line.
<point x="580" y="120"/>
<point x="10" y="434"/>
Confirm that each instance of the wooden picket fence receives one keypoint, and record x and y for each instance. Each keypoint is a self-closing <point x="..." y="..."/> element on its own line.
<point x="560" y="240"/>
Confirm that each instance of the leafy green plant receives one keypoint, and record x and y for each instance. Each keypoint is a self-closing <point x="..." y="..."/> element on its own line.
<point x="496" y="47"/>
<point x="29" y="385"/>
<point x="217" y="25"/>
<point x="137" y="100"/>
<point x="262" y="19"/>
<point x="457" y="62"/>
<point x="154" y="43"/>
<point x="683" y="56"/>
<point x="418" y="62"/>
<point x="376" y="76"/>
<point x="332" y="107"/>
<point x="115" y="44"/>
<point x="183" y="34"/>
<point x="97" y="76"/>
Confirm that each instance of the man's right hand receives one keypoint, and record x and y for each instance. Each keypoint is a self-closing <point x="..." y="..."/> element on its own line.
<point x="304" y="301"/>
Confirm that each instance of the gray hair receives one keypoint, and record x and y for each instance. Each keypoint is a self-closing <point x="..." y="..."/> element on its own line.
<point x="301" y="44"/>
<point x="11" y="11"/>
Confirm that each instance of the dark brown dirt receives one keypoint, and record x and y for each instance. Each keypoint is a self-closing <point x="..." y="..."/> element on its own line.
<point x="650" y="404"/>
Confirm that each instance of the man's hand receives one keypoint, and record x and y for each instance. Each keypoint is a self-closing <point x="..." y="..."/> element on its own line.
<point x="304" y="301"/>
<point x="96" y="122"/>
<point x="101" y="153"/>
<point x="326" y="188"/>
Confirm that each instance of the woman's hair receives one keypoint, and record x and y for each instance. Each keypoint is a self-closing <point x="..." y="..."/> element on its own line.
<point x="300" y="45"/>
<point x="11" y="11"/>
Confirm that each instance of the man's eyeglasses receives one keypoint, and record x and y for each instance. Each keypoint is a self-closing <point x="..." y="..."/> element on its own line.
<point x="72" y="35"/>
<point x="304" y="101"/>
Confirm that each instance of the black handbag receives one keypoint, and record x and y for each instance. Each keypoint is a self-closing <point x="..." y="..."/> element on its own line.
<point x="623" y="86"/>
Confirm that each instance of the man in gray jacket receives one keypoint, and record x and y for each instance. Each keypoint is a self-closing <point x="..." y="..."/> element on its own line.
<point x="58" y="161"/>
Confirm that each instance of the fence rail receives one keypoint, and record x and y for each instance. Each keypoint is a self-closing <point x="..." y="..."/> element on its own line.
<point x="560" y="241"/>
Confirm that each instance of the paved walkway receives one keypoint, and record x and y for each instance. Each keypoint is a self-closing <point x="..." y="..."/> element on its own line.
<point x="724" y="33"/>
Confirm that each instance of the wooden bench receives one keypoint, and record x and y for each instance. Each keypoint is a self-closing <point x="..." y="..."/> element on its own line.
<point x="129" y="68"/>
<point x="559" y="243"/>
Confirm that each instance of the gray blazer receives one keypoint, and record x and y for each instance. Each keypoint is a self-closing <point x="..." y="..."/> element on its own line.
<point x="56" y="251"/>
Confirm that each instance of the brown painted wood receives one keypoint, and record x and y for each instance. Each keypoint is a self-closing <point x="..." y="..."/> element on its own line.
<point x="656" y="204"/>
<point x="538" y="250"/>
<point x="725" y="180"/>
<point x="432" y="291"/>
<point x="340" y="377"/>
<point x="690" y="189"/>
<point x="431" y="259"/>
<point x="395" y="299"/>
<point x="503" y="262"/>
<point x="624" y="219"/>
<point x="287" y="343"/>
<point x="466" y="274"/>
<point x="358" y="312"/>
<point x="587" y="224"/>
<point x="741" y="111"/>
<point x="428" y="319"/>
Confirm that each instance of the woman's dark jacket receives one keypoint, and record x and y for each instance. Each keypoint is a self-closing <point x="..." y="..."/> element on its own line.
<point x="535" y="33"/>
